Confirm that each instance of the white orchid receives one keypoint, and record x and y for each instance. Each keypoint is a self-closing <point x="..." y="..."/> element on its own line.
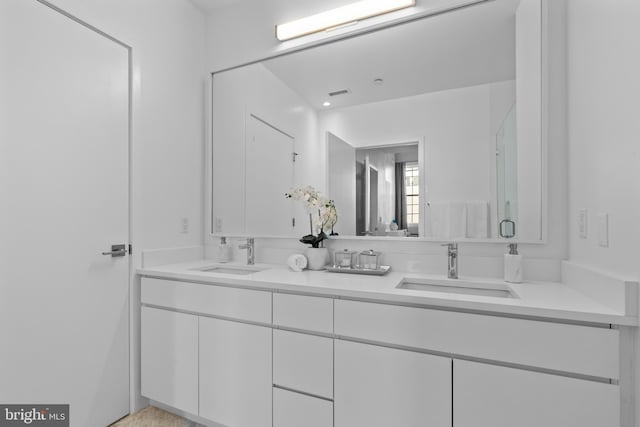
<point x="314" y="201"/>
<point x="311" y="198"/>
<point x="328" y="214"/>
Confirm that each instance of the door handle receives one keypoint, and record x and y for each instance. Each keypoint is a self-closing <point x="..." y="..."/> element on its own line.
<point x="116" y="251"/>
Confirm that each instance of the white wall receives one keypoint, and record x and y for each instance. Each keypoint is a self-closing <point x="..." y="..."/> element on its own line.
<point x="604" y="132"/>
<point x="455" y="125"/>
<point x="169" y="80"/>
<point x="169" y="73"/>
<point x="459" y="128"/>
<point x="239" y="34"/>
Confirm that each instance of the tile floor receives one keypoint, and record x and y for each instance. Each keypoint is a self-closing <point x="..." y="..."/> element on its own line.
<point x="153" y="417"/>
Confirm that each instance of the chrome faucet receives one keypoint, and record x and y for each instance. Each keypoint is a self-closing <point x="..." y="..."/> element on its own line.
<point x="249" y="246"/>
<point x="452" y="265"/>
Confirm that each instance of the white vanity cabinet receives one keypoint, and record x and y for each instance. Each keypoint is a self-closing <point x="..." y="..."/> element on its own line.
<point x="381" y="387"/>
<point x="497" y="396"/>
<point x="578" y="349"/>
<point x="207" y="350"/>
<point x="303" y="368"/>
<point x="235" y="373"/>
<point x="266" y="358"/>
<point x="169" y="358"/>
<point x="563" y="376"/>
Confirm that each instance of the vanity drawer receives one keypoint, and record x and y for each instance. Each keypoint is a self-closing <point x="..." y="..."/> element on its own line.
<point x="295" y="410"/>
<point x="223" y="301"/>
<point x="303" y="362"/>
<point x="303" y="312"/>
<point x="556" y="346"/>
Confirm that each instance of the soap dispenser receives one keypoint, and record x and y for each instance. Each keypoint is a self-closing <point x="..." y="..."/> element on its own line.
<point x="513" y="265"/>
<point x="224" y="250"/>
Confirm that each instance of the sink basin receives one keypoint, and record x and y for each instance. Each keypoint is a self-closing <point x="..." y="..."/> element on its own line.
<point x="458" y="287"/>
<point x="239" y="270"/>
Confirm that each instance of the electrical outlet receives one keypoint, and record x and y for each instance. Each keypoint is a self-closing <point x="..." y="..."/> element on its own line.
<point x="582" y="223"/>
<point x="184" y="226"/>
<point x="218" y="226"/>
<point x="603" y="230"/>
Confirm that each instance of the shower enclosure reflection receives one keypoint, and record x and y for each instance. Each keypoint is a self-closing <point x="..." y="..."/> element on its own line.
<point x="507" y="176"/>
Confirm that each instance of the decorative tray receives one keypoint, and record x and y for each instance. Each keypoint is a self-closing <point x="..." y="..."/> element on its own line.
<point x="384" y="269"/>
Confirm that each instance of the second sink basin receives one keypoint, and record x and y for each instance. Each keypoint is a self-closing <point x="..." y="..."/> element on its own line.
<point x="458" y="287"/>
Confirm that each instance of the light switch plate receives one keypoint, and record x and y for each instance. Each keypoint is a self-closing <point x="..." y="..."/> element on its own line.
<point x="603" y="230"/>
<point x="582" y="223"/>
<point x="218" y="225"/>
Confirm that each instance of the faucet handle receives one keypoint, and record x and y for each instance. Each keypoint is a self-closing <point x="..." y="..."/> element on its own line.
<point x="450" y="245"/>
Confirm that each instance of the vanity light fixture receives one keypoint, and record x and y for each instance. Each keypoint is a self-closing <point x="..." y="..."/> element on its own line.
<point x="331" y="19"/>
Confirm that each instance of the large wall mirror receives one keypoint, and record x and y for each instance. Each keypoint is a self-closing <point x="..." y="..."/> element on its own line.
<point x="430" y="129"/>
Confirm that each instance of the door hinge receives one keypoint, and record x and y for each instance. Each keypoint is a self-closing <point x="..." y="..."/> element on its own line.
<point x="293" y="156"/>
<point x="130" y="249"/>
<point x="293" y="222"/>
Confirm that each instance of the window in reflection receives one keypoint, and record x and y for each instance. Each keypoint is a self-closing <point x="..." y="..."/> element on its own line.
<point x="412" y="189"/>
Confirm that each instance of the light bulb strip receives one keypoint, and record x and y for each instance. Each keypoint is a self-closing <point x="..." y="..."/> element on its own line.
<point x="340" y="16"/>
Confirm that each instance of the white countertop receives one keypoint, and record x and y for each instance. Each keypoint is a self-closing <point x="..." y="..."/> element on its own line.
<point x="534" y="299"/>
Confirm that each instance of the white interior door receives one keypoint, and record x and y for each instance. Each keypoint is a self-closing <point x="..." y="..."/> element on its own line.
<point x="64" y="143"/>
<point x="269" y="175"/>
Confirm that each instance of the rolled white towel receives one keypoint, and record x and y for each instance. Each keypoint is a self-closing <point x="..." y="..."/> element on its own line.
<point x="297" y="262"/>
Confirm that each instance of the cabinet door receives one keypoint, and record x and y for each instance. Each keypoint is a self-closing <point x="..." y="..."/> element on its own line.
<point x="235" y="373"/>
<point x="298" y="410"/>
<point x="382" y="387"/>
<point x="303" y="363"/>
<point x="495" y="396"/>
<point x="169" y="358"/>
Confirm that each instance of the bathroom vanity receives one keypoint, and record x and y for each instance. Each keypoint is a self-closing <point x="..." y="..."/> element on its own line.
<point x="264" y="346"/>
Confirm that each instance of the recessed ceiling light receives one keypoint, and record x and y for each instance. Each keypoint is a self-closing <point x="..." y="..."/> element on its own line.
<point x="326" y="104"/>
<point x="339" y="16"/>
<point x="378" y="82"/>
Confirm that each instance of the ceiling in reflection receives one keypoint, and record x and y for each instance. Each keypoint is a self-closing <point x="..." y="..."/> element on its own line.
<point x="468" y="47"/>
